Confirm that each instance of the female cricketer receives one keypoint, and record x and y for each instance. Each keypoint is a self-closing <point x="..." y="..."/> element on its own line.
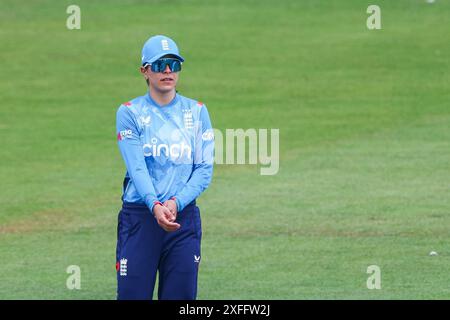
<point x="167" y="143"/>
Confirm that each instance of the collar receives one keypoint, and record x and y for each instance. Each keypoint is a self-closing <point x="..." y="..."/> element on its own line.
<point x="153" y="102"/>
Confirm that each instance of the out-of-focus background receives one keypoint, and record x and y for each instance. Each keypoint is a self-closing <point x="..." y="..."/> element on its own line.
<point x="364" y="120"/>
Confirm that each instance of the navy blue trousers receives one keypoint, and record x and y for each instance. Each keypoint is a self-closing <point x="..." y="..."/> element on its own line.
<point x="143" y="248"/>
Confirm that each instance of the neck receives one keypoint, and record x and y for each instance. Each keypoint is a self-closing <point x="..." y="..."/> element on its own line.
<point x="162" y="98"/>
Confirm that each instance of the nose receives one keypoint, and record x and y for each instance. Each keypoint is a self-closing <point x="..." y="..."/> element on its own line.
<point x="167" y="69"/>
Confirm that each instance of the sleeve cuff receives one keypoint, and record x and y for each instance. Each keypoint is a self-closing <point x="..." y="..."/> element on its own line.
<point x="177" y="200"/>
<point x="151" y="202"/>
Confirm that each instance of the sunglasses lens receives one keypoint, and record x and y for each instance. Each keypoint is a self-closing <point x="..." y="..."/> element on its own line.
<point x="155" y="66"/>
<point x="161" y="65"/>
<point x="175" y="66"/>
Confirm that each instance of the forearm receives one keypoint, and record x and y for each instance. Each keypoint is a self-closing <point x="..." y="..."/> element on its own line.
<point x="138" y="172"/>
<point x="199" y="181"/>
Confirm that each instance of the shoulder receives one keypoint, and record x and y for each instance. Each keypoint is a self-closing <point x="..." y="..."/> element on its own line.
<point x="131" y="107"/>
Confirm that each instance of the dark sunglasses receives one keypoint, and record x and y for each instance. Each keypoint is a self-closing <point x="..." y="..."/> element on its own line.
<point x="161" y="64"/>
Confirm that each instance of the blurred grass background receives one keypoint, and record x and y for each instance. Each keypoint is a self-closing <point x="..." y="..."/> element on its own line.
<point x="364" y="144"/>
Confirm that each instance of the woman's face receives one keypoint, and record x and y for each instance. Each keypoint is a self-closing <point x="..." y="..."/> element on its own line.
<point x="162" y="82"/>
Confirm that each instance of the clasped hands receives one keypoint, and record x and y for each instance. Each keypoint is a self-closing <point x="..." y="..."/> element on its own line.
<point x="166" y="214"/>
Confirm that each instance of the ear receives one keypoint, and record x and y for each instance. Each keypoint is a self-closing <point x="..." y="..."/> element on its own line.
<point x="143" y="71"/>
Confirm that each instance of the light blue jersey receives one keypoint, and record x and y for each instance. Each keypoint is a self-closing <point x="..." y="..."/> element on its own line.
<point x="168" y="150"/>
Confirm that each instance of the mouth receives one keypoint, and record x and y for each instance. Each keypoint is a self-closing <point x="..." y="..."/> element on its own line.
<point x="166" y="80"/>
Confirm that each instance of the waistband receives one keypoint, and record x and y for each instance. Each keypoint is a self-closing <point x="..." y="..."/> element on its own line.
<point x="143" y="207"/>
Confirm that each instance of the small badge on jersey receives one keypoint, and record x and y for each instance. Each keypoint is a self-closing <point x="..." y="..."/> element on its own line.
<point x="188" y="119"/>
<point x="145" y="120"/>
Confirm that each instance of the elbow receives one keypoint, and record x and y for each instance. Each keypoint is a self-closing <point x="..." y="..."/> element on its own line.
<point x="207" y="178"/>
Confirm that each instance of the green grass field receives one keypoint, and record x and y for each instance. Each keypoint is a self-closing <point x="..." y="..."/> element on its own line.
<point x="364" y="119"/>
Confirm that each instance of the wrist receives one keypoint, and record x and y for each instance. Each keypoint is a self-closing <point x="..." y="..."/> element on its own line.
<point x="155" y="203"/>
<point x="176" y="201"/>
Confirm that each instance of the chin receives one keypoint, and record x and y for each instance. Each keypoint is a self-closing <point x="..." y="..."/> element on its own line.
<point x="166" y="89"/>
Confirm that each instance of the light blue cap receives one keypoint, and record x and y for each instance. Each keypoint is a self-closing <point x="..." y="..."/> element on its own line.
<point x="157" y="47"/>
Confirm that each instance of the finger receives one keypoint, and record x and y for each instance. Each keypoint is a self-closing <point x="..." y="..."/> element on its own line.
<point x="166" y="224"/>
<point x="172" y="225"/>
<point x="165" y="210"/>
<point x="170" y="228"/>
<point x="170" y="218"/>
<point x="164" y="221"/>
<point x="169" y="214"/>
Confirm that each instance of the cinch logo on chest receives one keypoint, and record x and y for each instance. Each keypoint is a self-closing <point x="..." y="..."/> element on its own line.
<point x="174" y="150"/>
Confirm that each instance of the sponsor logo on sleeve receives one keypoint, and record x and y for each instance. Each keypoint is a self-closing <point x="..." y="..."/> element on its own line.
<point x="208" y="135"/>
<point x="124" y="134"/>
